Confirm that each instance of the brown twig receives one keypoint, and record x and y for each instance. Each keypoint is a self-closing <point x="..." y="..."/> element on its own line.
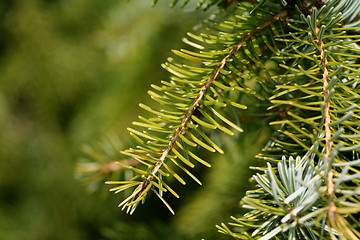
<point x="328" y="142"/>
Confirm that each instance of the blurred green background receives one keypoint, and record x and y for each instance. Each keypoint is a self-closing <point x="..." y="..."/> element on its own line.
<point x="71" y="72"/>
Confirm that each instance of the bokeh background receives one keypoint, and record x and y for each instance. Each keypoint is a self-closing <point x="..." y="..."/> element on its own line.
<point x="71" y="73"/>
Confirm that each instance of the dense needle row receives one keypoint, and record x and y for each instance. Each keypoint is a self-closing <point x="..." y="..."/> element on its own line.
<point x="204" y="90"/>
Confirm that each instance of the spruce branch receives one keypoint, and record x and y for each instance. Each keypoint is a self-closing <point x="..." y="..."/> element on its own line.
<point x="314" y="76"/>
<point x="195" y="105"/>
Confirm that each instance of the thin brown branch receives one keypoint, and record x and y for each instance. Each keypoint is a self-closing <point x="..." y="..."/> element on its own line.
<point x="324" y="64"/>
<point x="200" y="96"/>
<point x="328" y="142"/>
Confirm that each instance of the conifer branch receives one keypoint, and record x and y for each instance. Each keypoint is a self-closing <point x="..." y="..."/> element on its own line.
<point x="196" y="103"/>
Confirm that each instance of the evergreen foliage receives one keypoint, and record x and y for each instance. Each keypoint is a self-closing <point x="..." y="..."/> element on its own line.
<point x="294" y="64"/>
